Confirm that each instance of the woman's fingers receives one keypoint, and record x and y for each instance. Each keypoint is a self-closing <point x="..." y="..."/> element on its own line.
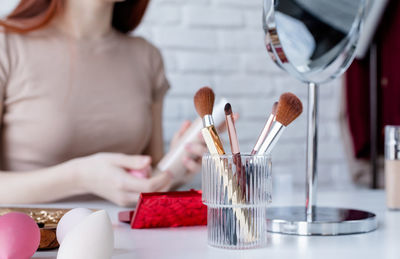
<point x="192" y="160"/>
<point x="167" y="186"/>
<point x="193" y="166"/>
<point x="134" y="184"/>
<point x="131" y="161"/>
<point x="196" y="149"/>
<point x="131" y="188"/>
<point x="185" y="125"/>
<point x="127" y="199"/>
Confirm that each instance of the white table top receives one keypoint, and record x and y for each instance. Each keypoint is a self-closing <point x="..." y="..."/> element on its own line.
<point x="191" y="242"/>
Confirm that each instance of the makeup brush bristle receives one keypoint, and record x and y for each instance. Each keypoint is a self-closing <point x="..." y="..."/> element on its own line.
<point x="228" y="109"/>
<point x="289" y="108"/>
<point x="204" y="101"/>
<point x="274" y="108"/>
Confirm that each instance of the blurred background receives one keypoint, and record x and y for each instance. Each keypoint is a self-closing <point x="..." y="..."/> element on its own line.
<point x="221" y="43"/>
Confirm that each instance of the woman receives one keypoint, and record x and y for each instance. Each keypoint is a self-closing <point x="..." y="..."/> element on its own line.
<point x="81" y="103"/>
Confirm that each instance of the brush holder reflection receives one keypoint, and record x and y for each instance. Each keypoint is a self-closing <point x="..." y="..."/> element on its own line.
<point x="237" y="191"/>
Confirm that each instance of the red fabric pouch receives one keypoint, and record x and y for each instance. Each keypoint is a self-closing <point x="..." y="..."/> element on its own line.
<point x="167" y="209"/>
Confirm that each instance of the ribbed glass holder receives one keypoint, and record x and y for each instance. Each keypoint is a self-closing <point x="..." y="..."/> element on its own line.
<point x="237" y="191"/>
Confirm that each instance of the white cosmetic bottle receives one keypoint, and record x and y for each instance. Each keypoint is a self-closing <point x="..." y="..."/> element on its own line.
<point x="172" y="161"/>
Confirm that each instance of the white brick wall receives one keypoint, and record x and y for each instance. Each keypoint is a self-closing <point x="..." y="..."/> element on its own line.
<point x="221" y="43"/>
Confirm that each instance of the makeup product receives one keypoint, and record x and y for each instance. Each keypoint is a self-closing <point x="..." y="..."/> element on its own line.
<point x="69" y="221"/>
<point x="266" y="129"/>
<point x="47" y="220"/>
<point x="230" y="124"/>
<point x="237" y="223"/>
<point x="235" y="149"/>
<point x="172" y="161"/>
<point x="126" y="216"/>
<point x="48" y="237"/>
<point x="19" y="236"/>
<point x="289" y="108"/>
<point x="179" y="209"/>
<point x="392" y="167"/>
<point x="93" y="237"/>
<point x="204" y="103"/>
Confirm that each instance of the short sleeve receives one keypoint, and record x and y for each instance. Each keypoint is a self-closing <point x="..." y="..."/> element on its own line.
<point x="160" y="81"/>
<point x="4" y="68"/>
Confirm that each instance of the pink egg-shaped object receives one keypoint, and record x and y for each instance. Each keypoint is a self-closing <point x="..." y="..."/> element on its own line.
<point x="69" y="221"/>
<point x="19" y="236"/>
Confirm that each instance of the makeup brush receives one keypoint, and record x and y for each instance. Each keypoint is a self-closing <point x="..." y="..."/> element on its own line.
<point x="204" y="103"/>
<point x="266" y="129"/>
<point x="289" y="108"/>
<point x="230" y="124"/>
<point x="237" y="160"/>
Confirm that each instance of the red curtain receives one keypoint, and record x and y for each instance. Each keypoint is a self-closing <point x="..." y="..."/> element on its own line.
<point x="357" y="85"/>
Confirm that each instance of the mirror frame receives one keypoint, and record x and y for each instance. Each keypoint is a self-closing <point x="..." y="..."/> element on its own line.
<point x="327" y="72"/>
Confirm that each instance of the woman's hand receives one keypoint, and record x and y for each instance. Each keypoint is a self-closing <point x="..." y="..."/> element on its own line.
<point x="195" y="149"/>
<point x="105" y="174"/>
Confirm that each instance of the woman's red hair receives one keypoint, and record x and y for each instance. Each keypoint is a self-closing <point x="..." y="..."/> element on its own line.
<point x="31" y="15"/>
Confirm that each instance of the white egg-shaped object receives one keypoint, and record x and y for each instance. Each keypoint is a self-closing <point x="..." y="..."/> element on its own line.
<point x="69" y="221"/>
<point x="92" y="238"/>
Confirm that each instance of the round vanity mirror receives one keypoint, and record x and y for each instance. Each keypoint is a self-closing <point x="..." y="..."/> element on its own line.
<point x="314" y="41"/>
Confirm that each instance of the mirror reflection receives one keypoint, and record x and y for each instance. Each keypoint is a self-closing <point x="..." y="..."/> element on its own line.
<point x="314" y="32"/>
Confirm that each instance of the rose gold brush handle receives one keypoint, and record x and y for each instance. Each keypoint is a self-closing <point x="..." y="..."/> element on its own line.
<point x="232" y="135"/>
<point x="233" y="139"/>
<point x="263" y="134"/>
<point x="266" y="129"/>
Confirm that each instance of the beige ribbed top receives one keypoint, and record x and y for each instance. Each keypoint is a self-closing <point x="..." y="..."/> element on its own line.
<point x="63" y="98"/>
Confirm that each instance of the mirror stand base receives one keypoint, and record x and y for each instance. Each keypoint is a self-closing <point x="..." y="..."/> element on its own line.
<point x="327" y="221"/>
